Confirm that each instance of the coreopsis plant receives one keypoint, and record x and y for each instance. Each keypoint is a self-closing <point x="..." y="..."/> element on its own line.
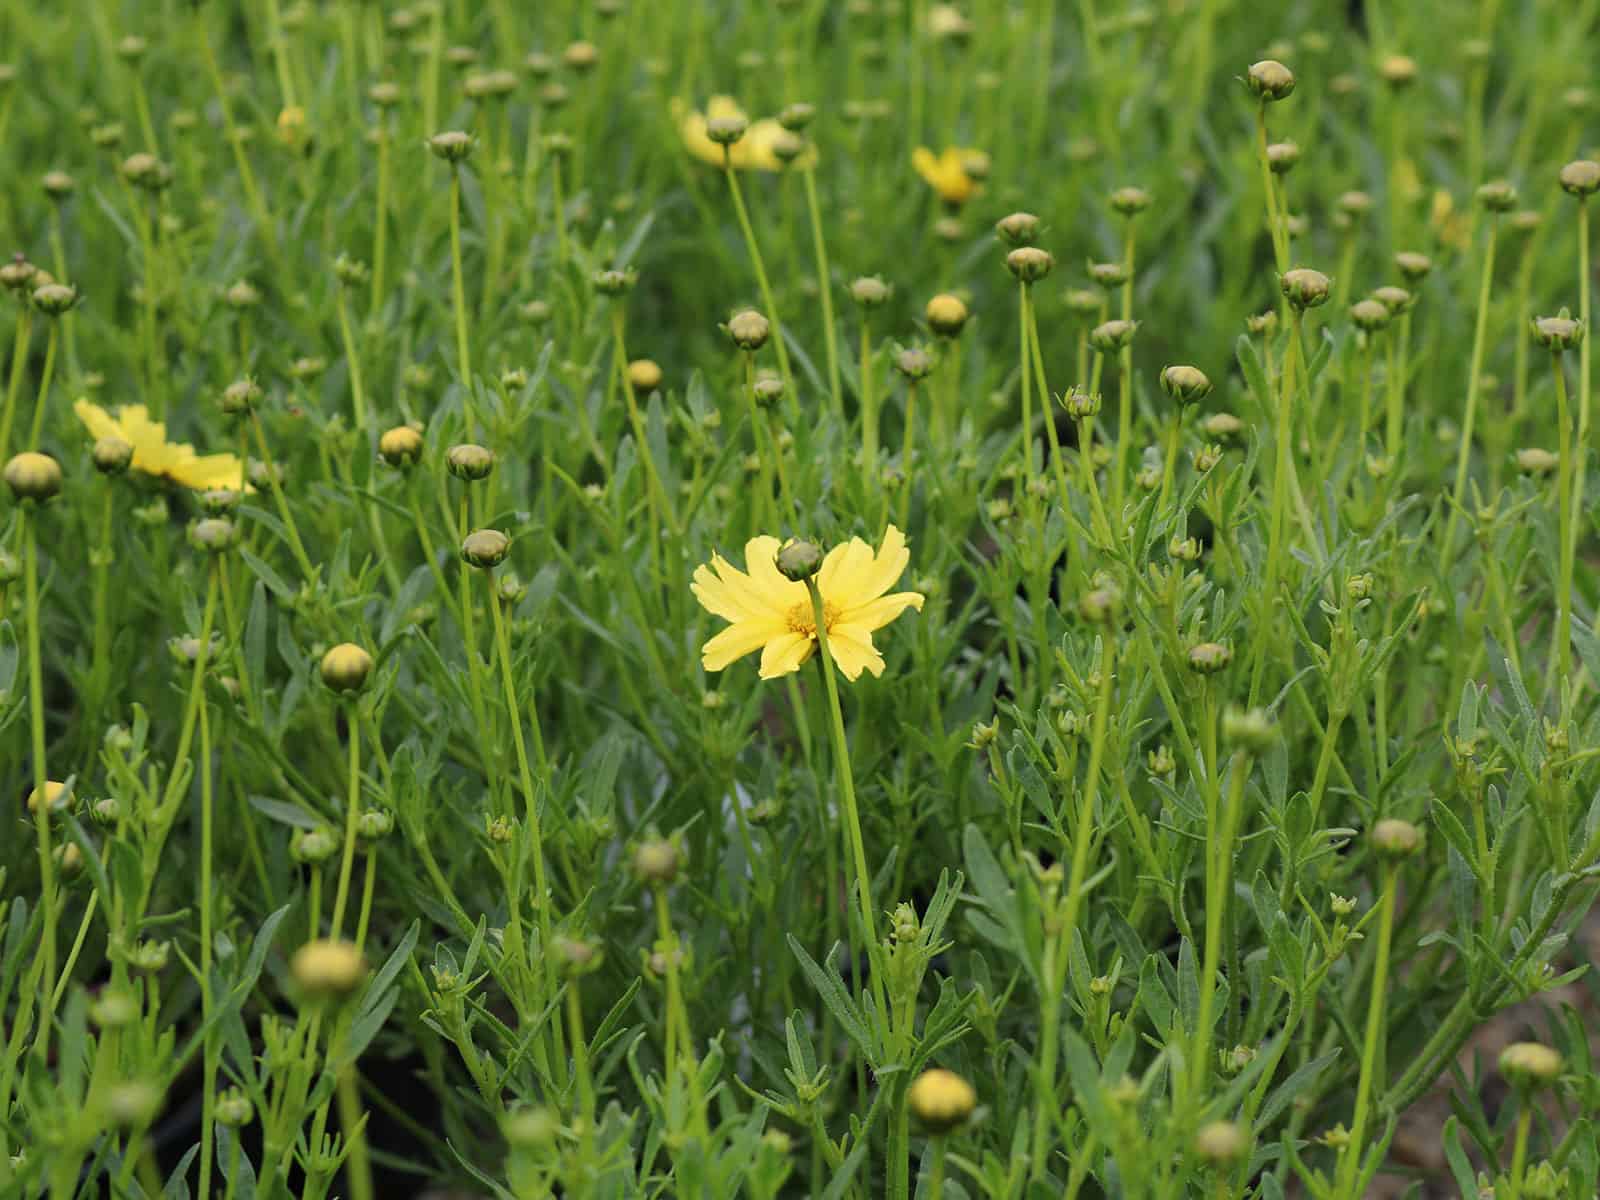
<point x="494" y="753"/>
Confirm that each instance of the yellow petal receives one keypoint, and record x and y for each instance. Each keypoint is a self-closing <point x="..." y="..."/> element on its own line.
<point x="96" y="420"/>
<point x="887" y="566"/>
<point x="737" y="640"/>
<point x="842" y="571"/>
<point x="724" y="106"/>
<point x="852" y="649"/>
<point x="875" y="614"/>
<point x="692" y="130"/>
<point x="926" y="165"/>
<point x="761" y="560"/>
<point x="785" y="654"/>
<point x="207" y="471"/>
<point x="727" y="591"/>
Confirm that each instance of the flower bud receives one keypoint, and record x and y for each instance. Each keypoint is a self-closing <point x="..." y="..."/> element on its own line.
<point x="313" y="845"/>
<point x="1304" y="288"/>
<point x="1109" y="275"/>
<point x="799" y="559"/>
<point x="326" y="968"/>
<point x="1581" y="177"/>
<point x="575" y="956"/>
<point x="1130" y="201"/>
<point x="1394" y="838"/>
<point x="233" y="1108"/>
<point x="345" y="667"/>
<point x="1222" y="425"/>
<point x="1250" y="729"/>
<point x="485" y="548"/>
<point x="1029" y="263"/>
<point x="914" y="363"/>
<point x="1187" y="385"/>
<point x="657" y="861"/>
<point x="1221" y="1143"/>
<point x="240" y="396"/>
<point x="644" y="375"/>
<point x="1557" y="334"/>
<point x="453" y="145"/>
<point x="1282" y="157"/>
<point x="111" y="455"/>
<point x="1080" y="403"/>
<point x="767" y="390"/>
<point x="213" y="534"/>
<point x="1355" y="205"/>
<point x="58" y="185"/>
<point x="18" y="274"/>
<point x="1497" y="196"/>
<point x="1208" y="658"/>
<point x="1369" y="315"/>
<point x="1530" y="1065"/>
<point x="374" y="823"/>
<point x="1100" y="606"/>
<point x="400" y="446"/>
<point x="749" y="329"/>
<point x="33" y="476"/>
<point x="1018" y="228"/>
<point x="1262" y="323"/>
<point x="384" y="93"/>
<point x="1395" y="299"/>
<point x="53" y="299"/>
<point x="614" y="282"/>
<point x="55" y="794"/>
<point x="795" y="117"/>
<point x="469" y="462"/>
<point x="727" y="130"/>
<point x="1412" y="265"/>
<point x="941" y="1100"/>
<point x="1269" y="80"/>
<point x="1535" y="460"/>
<point x="1112" y="336"/>
<point x="1082" y="302"/>
<point x="132" y="1105"/>
<point x="946" y="314"/>
<point x="1398" y="71"/>
<point x="869" y="291"/>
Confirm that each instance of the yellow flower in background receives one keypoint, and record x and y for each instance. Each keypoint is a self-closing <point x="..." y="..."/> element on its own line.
<point x="1452" y="228"/>
<point x="774" y="614"/>
<point x="947" y="173"/>
<point x="154" y="455"/>
<point x="292" y="126"/>
<point x="753" y="152"/>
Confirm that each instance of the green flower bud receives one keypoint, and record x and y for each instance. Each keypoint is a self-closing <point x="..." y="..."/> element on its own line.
<point x="1018" y="229"/>
<point x="869" y="291"/>
<point x="1111" y="336"/>
<point x="941" y="1100"/>
<point x="1269" y="80"/>
<point x="453" y="145"/>
<point x="1581" y="177"/>
<point x="485" y="548"/>
<point x="749" y="330"/>
<point x="33" y="476"/>
<point x="1394" y="838"/>
<point x="345" y="667"/>
<point x="1187" y="385"/>
<point x="469" y="462"/>
<point x="799" y="560"/>
<point x="1304" y="288"/>
<point x="1029" y="263"/>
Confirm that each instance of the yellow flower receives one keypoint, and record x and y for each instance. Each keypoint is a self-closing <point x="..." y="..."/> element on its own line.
<point x="292" y="126"/>
<point x="946" y="173"/>
<point x="774" y="615"/>
<point x="154" y="455"/>
<point x="1452" y="228"/>
<point x="753" y="152"/>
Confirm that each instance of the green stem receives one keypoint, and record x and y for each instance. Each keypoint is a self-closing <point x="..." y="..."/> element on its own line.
<point x="41" y="777"/>
<point x="1221" y="831"/>
<point x="458" y="292"/>
<point x="1350" y="1163"/>
<point x="754" y="249"/>
<point x="358" y="396"/>
<point x="37" y="426"/>
<point x="19" y="359"/>
<point x="825" y="292"/>
<point x="1563" y="630"/>
<point x="869" y="405"/>
<point x="275" y="486"/>
<point x="352" y="814"/>
<point x="1519" y="1153"/>
<point x="1474" y="376"/>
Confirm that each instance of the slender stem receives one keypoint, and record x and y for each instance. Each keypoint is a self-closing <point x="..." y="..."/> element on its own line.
<point x="580" y="1053"/>
<point x="207" y="832"/>
<point x="275" y="486"/>
<point x="1350" y="1163"/>
<point x="869" y="404"/>
<point x="1280" y="496"/>
<point x="530" y="795"/>
<point x="19" y="359"/>
<point x="1581" y="464"/>
<point x="458" y="291"/>
<point x="1221" y="831"/>
<point x="1474" y="377"/>
<point x="44" y="384"/>
<point x="847" y="784"/>
<point x="352" y="814"/>
<point x="41" y="776"/>
<point x="380" y="215"/>
<point x="825" y="292"/>
<point x="1025" y="369"/>
<point x="936" y="1168"/>
<point x="754" y="249"/>
<point x="358" y="395"/>
<point x="1519" y="1152"/>
<point x="1563" y="630"/>
<point x="352" y="1120"/>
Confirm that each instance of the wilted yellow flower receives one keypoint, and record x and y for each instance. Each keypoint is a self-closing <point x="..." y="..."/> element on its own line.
<point x="755" y="151"/>
<point x="774" y="615"/>
<point x="154" y="455"/>
<point x="946" y="173"/>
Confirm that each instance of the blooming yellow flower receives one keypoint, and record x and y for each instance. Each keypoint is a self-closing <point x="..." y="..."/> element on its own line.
<point x="774" y="615"/>
<point x="154" y="455"/>
<point x="753" y="152"/>
<point x="1452" y="228"/>
<point x="946" y="173"/>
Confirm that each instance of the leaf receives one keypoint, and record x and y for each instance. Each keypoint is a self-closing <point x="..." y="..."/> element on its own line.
<point x="1284" y="1094"/>
<point x="830" y="986"/>
<point x="266" y="575"/>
